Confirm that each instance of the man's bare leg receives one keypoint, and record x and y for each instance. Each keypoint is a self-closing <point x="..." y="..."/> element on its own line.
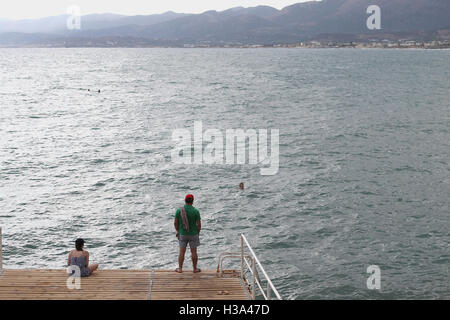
<point x="194" y="259"/>
<point x="181" y="260"/>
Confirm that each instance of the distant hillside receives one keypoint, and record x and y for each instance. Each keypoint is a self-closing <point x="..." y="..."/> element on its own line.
<point x="337" y="19"/>
<point x="58" y="24"/>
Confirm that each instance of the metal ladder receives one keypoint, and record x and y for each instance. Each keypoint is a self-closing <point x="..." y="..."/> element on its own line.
<point x="250" y="262"/>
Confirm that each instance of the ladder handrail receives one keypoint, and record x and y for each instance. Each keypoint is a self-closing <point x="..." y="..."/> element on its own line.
<point x="257" y="281"/>
<point x="224" y="255"/>
<point x="270" y="285"/>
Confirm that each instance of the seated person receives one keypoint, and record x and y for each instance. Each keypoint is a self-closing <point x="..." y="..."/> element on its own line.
<point x="80" y="258"/>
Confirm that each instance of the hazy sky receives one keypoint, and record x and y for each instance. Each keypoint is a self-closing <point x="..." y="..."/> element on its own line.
<point x="25" y="9"/>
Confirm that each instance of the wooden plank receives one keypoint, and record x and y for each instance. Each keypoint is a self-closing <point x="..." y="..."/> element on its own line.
<point x="51" y="284"/>
<point x="205" y="285"/>
<point x="121" y="284"/>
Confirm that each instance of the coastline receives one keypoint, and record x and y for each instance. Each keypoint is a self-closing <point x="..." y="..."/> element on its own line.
<point x="385" y="44"/>
<point x="221" y="47"/>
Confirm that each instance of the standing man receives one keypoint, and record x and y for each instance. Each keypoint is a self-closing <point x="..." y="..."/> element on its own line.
<point x="188" y="226"/>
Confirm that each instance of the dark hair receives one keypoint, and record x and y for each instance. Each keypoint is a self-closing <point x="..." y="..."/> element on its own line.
<point x="79" y="244"/>
<point x="189" y="201"/>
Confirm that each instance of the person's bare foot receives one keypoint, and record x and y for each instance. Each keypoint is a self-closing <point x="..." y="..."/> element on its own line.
<point x="179" y="270"/>
<point x="197" y="270"/>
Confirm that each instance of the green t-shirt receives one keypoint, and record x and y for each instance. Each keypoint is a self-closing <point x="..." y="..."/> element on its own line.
<point x="193" y="216"/>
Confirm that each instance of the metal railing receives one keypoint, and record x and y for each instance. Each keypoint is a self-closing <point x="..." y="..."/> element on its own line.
<point x="224" y="255"/>
<point x="251" y="262"/>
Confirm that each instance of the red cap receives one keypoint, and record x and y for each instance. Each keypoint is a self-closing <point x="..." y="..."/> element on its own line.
<point x="189" y="197"/>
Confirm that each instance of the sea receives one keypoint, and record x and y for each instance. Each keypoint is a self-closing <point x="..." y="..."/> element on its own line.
<point x="362" y="183"/>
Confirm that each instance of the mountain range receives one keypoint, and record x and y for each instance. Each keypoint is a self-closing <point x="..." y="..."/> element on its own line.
<point x="306" y="21"/>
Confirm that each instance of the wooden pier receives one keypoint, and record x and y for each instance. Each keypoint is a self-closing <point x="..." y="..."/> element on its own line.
<point x="122" y="285"/>
<point x="220" y="284"/>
